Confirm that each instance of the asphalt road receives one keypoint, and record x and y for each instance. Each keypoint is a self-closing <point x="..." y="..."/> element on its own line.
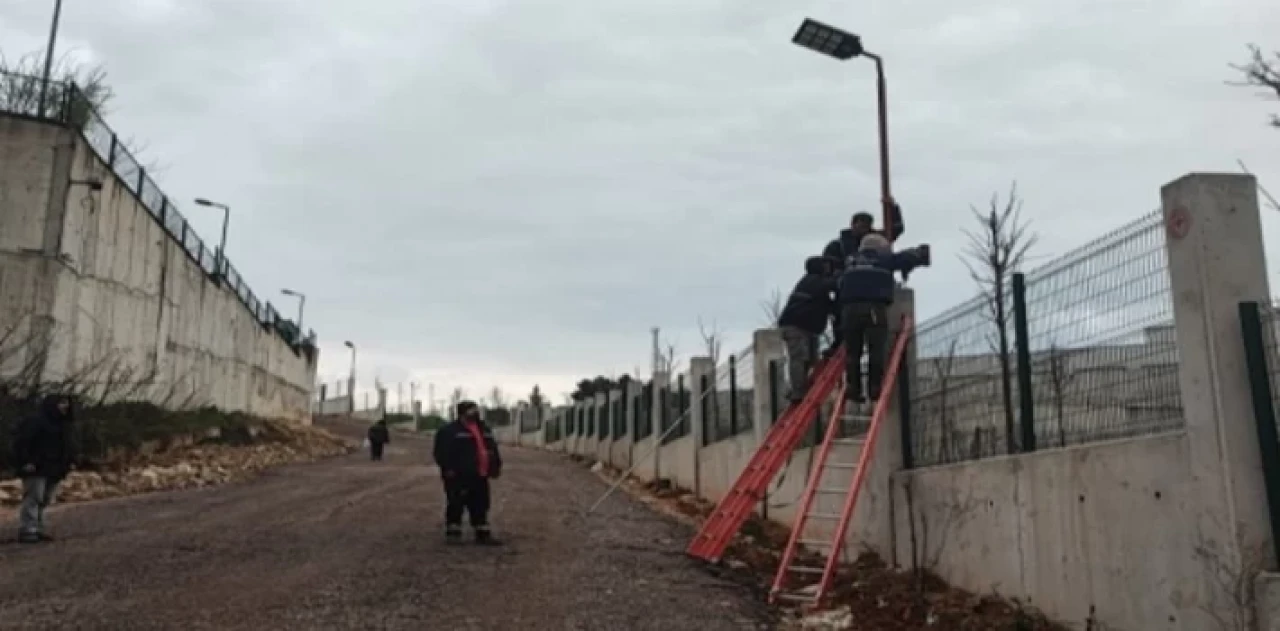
<point x="353" y="544"/>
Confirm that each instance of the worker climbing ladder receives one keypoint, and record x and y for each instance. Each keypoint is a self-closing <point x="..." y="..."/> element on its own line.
<point x="811" y="594"/>
<point x="783" y="438"/>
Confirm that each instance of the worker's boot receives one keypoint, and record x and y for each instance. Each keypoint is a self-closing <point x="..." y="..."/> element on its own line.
<point x="485" y="538"/>
<point x="453" y="533"/>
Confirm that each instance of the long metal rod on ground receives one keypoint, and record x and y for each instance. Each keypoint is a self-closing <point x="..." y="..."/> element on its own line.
<point x="657" y="444"/>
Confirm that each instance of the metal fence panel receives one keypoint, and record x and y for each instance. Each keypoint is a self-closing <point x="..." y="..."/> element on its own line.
<point x="1103" y="358"/>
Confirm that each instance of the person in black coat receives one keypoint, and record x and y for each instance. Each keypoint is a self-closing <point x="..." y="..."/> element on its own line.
<point x="810" y="307"/>
<point x="44" y="451"/>
<point x="468" y="457"/>
<point x="866" y="290"/>
<point x="845" y="247"/>
<point x="378" y="438"/>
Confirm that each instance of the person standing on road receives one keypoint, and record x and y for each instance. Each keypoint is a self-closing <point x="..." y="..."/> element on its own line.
<point x="809" y="309"/>
<point x="43" y="452"/>
<point x="379" y="436"/>
<point x="866" y="291"/>
<point x="467" y="454"/>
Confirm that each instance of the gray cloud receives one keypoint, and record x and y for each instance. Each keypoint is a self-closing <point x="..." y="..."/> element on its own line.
<point x="514" y="192"/>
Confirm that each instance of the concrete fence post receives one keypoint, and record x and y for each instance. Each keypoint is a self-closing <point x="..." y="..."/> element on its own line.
<point x="661" y="381"/>
<point x="699" y="367"/>
<point x="629" y="397"/>
<point x="601" y="404"/>
<point x="1216" y="260"/>
<point x="767" y="347"/>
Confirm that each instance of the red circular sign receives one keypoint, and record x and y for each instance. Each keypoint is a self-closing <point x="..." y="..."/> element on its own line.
<point x="1179" y="222"/>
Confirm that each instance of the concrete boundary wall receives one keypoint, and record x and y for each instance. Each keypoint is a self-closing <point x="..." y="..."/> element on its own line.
<point x="1169" y="531"/>
<point x="97" y="280"/>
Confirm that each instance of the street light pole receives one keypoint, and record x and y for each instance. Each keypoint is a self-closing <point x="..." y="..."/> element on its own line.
<point x="302" y="302"/>
<point x="882" y="114"/>
<point x="222" y="246"/>
<point x="351" y="380"/>
<point x="843" y="46"/>
<point x="48" y="56"/>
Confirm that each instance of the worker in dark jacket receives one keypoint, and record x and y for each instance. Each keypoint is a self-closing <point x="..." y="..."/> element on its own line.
<point x="844" y="247"/>
<point x="810" y="307"/>
<point x="43" y="451"/>
<point x="378" y="438"/>
<point x="866" y="289"/>
<point x="467" y="454"/>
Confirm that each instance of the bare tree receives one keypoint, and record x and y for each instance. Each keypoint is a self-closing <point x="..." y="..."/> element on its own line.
<point x="712" y="339"/>
<point x="1059" y="380"/>
<point x="497" y="398"/>
<point x="943" y="369"/>
<point x="20" y="82"/>
<point x="994" y="253"/>
<point x="455" y="398"/>
<point x="1261" y="71"/>
<point x="772" y="307"/>
<point x="536" y="401"/>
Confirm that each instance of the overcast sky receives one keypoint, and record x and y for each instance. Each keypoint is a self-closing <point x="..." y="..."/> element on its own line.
<point x="513" y="192"/>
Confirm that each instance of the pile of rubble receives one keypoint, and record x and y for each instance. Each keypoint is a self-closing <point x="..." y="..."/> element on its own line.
<point x="192" y="464"/>
<point x="868" y="595"/>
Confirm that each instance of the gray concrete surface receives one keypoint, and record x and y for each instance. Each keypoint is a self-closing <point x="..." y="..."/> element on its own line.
<point x="351" y="544"/>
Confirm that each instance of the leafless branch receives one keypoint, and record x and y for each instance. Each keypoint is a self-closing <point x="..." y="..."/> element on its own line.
<point x="1261" y="71"/>
<point x="711" y="339"/>
<point x="994" y="253"/>
<point x="772" y="307"/>
<point x="1060" y="379"/>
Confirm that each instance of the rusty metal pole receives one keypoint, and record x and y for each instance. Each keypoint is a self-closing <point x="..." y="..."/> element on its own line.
<point x="882" y="105"/>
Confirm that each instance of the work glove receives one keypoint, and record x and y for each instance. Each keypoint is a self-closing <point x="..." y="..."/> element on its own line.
<point x="829" y="352"/>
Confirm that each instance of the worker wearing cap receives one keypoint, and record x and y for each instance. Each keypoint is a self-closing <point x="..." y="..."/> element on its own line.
<point x="845" y="246"/>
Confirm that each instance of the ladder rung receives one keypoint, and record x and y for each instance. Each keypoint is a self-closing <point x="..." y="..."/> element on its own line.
<point x="834" y="491"/>
<point x="814" y="542"/>
<point x="857" y="417"/>
<point x="846" y="441"/>
<point x="798" y="598"/>
<point x="807" y="569"/>
<point x="824" y="515"/>
<point x="842" y="465"/>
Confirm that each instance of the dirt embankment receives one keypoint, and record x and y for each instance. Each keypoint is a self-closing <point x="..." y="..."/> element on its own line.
<point x="211" y="457"/>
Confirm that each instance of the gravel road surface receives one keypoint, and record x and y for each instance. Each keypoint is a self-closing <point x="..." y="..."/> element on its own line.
<point x="352" y="544"/>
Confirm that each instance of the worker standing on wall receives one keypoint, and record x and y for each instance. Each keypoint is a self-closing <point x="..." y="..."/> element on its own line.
<point x="844" y="247"/>
<point x="809" y="309"/>
<point x="866" y="290"/>
<point x="467" y="454"/>
<point x="379" y="437"/>
<point x="44" y="450"/>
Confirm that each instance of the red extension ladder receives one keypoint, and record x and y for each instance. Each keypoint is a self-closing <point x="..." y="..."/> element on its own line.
<point x="811" y="595"/>
<point x="748" y="491"/>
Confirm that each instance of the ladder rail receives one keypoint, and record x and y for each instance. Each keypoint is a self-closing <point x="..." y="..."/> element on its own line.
<point x="731" y="504"/>
<point x="868" y="451"/>
<point x="735" y="508"/>
<point x="717" y="532"/>
<point x="810" y="492"/>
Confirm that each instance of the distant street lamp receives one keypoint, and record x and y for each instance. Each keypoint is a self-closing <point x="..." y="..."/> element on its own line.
<point x="351" y="380"/>
<point x="222" y="246"/>
<point x="302" y="301"/>
<point x="844" y="46"/>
